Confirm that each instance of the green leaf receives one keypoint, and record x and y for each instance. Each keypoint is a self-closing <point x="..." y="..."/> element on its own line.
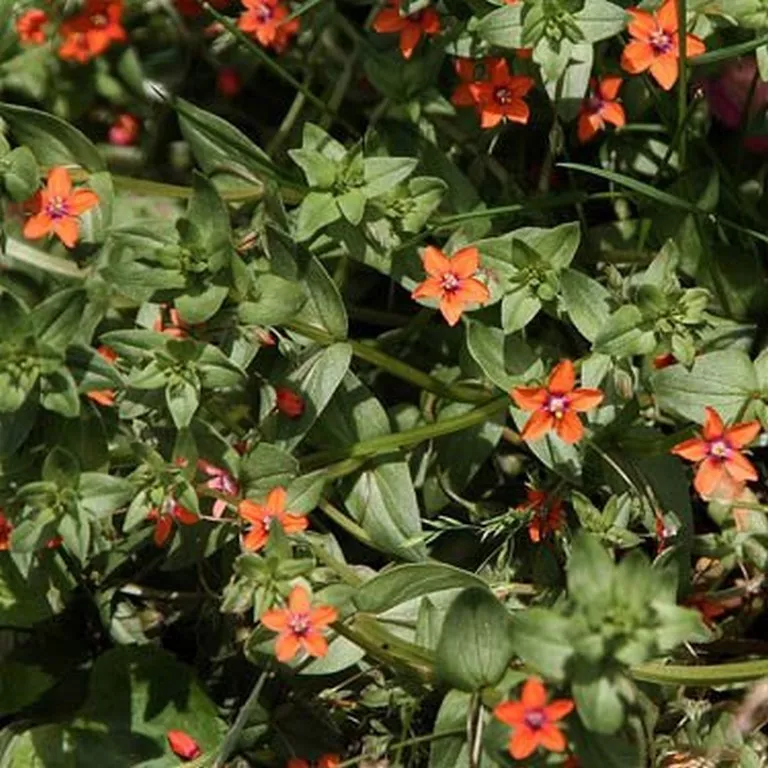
<point x="590" y="571"/>
<point x="407" y="582"/>
<point x="607" y="751"/>
<point x="352" y="205"/>
<point x="557" y="246"/>
<point x="57" y="319"/>
<point x="20" y="174"/>
<point x="319" y="170"/>
<point x="518" y="308"/>
<point x="16" y="425"/>
<point x="24" y="598"/>
<point x="625" y="334"/>
<point x="61" y="468"/>
<point x="266" y="467"/>
<point x="722" y="380"/>
<point x="599" y="19"/>
<point x="317" y="210"/>
<point x="475" y="646"/>
<point x="382" y="174"/>
<point x="103" y="494"/>
<point x="585" y="301"/>
<point x="451" y="752"/>
<point x="274" y="301"/>
<point x="202" y="304"/>
<point x="541" y="638"/>
<point x="54" y="141"/>
<point x="503" y="27"/>
<point x="598" y="700"/>
<point x="324" y="307"/>
<point x="183" y="399"/>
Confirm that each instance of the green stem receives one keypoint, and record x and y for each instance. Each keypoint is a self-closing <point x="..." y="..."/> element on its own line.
<point x="275" y="68"/>
<point x="396" y="367"/>
<point x="703" y="676"/>
<point x="408" y="437"/>
<point x="412" y="742"/>
<point x="345" y="522"/>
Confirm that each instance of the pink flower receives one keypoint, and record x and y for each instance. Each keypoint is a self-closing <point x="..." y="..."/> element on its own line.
<point x="125" y="130"/>
<point x="220" y="481"/>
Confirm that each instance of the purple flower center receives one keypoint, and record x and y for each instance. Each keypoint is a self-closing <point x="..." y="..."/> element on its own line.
<point x="720" y="449"/>
<point x="267" y="522"/>
<point x="503" y="95"/>
<point x="535" y="719"/>
<point x="557" y="405"/>
<point x="661" y="42"/>
<point x="450" y="282"/>
<point x="57" y="207"/>
<point x="264" y="13"/>
<point x="299" y="623"/>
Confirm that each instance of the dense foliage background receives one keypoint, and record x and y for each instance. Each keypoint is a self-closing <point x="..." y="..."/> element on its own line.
<point x="383" y="385"/>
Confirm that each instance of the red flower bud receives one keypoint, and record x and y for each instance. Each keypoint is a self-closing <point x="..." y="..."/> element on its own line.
<point x="289" y="403"/>
<point x="664" y="361"/>
<point x="124" y="131"/>
<point x="228" y="82"/>
<point x="184" y="745"/>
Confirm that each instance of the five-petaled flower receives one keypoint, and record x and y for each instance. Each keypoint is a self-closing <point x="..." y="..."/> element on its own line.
<point x="410" y="27"/>
<point x="329" y="760"/>
<point x="556" y="405"/>
<point x="533" y="721"/>
<point x="548" y="514"/>
<point x="655" y="44"/>
<point x="221" y="481"/>
<point x="165" y="517"/>
<point x="722" y="469"/>
<point x="471" y="72"/>
<point x="57" y="208"/>
<point x="6" y="529"/>
<point x="600" y="107"/>
<point x="267" y="22"/>
<point x="299" y="625"/>
<point x="30" y="26"/>
<point x="183" y="745"/>
<point x="90" y="32"/>
<point x="104" y="397"/>
<point x="452" y="280"/>
<point x="288" y="402"/>
<point x="500" y="96"/>
<point x="263" y="517"/>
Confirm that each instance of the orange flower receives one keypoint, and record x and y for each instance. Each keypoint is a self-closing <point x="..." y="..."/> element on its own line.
<point x="104" y="396"/>
<point x="468" y="71"/>
<point x="171" y="512"/>
<point x="555" y="406"/>
<point x="722" y="469"/>
<point x="324" y="761"/>
<point x="262" y="516"/>
<point x="452" y="281"/>
<point x="600" y="108"/>
<point x="58" y="207"/>
<point x="500" y="96"/>
<point x="299" y="626"/>
<point x="6" y="529"/>
<point x="89" y="33"/>
<point x="175" y="327"/>
<point x="411" y="27"/>
<point x="265" y="21"/>
<point x="29" y="26"/>
<point x="655" y="44"/>
<point x="183" y="745"/>
<point x="548" y="516"/>
<point x="533" y="720"/>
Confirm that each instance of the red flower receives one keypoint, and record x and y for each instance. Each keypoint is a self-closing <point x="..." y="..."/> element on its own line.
<point x="533" y="721"/>
<point x="171" y="512"/>
<point x="664" y="361"/>
<point x="548" y="514"/>
<point x="104" y="397"/>
<point x="324" y="761"/>
<point x="58" y="207"/>
<point x="299" y="626"/>
<point x="30" y="26"/>
<point x="710" y="608"/>
<point x="556" y="405"/>
<point x="89" y="33"/>
<point x="470" y="72"/>
<point x="265" y="21"/>
<point x="221" y="481"/>
<point x="452" y="281"/>
<point x="262" y="516"/>
<point x="125" y="130"/>
<point x="6" y="529"/>
<point x="411" y="28"/>
<point x="228" y="82"/>
<point x="722" y="469"/>
<point x="655" y="44"/>
<point x="500" y="96"/>
<point x="600" y="108"/>
<point x="175" y="327"/>
<point x="183" y="745"/>
<point x="289" y="403"/>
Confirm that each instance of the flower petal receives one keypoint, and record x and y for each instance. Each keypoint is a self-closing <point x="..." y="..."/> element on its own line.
<point x="293" y="523"/>
<point x="562" y="378"/>
<point x="275" y="502"/>
<point x="667" y="16"/>
<point x="251" y="511"/>
<point x="538" y="425"/>
<point x="388" y="20"/>
<point x="59" y="182"/>
<point x="409" y="39"/>
<point x="517" y="111"/>
<point x="498" y="71"/>
<point x="255" y="539"/>
<point x="552" y="738"/>
<point x="431" y="288"/>
<point x="694" y="46"/>
<point x="452" y="306"/>
<point x="637" y="57"/>
<point x="585" y="399"/>
<point x="558" y="709"/>
<point x="529" y="398"/>
<point x="435" y="262"/>
<point x="740" y="468"/>
<point x="569" y="428"/>
<point x="323" y="615"/>
<point x="694" y="449"/>
<point x="510" y="712"/>
<point x="740" y="435"/>
<point x="589" y="126"/>
<point x="287" y="646"/>
<point x="609" y="87"/>
<point x="665" y="69"/>
<point x="612" y="112"/>
<point x="523" y="742"/>
<point x="67" y="230"/>
<point x="708" y="476"/>
<point x="534" y="694"/>
<point x="38" y="226"/>
<point x="473" y="291"/>
<point x="713" y="425"/>
<point x="642" y="24"/>
<point x="276" y="620"/>
<point x="82" y="200"/>
<point x="163" y="528"/>
<point x="464" y="263"/>
<point x="314" y="644"/>
<point x="298" y="600"/>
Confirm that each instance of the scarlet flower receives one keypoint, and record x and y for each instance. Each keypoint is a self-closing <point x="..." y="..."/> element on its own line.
<point x="600" y="108"/>
<point x="533" y="721"/>
<point x="468" y="71"/>
<point x="664" y="361"/>
<point x="722" y="469"/>
<point x="710" y="608"/>
<point x="6" y="529"/>
<point x="289" y="403"/>
<point x="164" y="519"/>
<point x="411" y="28"/>
<point x="556" y="405"/>
<point x="90" y="33"/>
<point x="228" y="82"/>
<point x="104" y="397"/>
<point x="265" y="21"/>
<point x="175" y="327"/>
<point x="221" y="481"/>
<point x="125" y="130"/>
<point x="30" y="26"/>
<point x="655" y="44"/>
<point x="262" y="516"/>
<point x="58" y="206"/>
<point x="500" y="96"/>
<point x="451" y="280"/>
<point x="548" y="514"/>
<point x="324" y="761"/>
<point x="183" y="745"/>
<point x="299" y="626"/>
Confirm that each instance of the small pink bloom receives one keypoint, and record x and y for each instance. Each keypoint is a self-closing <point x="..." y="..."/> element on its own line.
<point x="220" y="481"/>
<point x="125" y="130"/>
